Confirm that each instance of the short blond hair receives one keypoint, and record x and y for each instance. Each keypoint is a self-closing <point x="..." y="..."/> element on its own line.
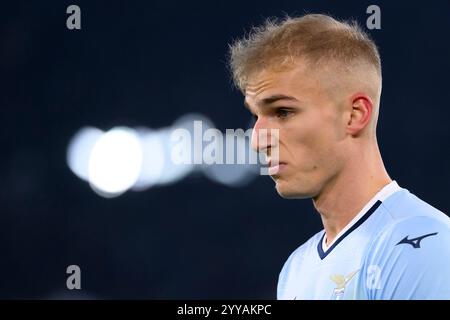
<point x="318" y="38"/>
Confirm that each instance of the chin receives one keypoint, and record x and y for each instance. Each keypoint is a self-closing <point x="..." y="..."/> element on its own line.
<point x="287" y="191"/>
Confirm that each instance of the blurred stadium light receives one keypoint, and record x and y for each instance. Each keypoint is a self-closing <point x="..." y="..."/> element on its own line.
<point x="115" y="161"/>
<point x="137" y="159"/>
<point x="236" y="174"/>
<point x="80" y="148"/>
<point x="154" y="157"/>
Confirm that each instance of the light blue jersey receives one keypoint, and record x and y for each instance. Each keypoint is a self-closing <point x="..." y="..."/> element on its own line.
<point x="397" y="247"/>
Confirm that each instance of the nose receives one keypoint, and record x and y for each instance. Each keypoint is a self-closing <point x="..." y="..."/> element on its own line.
<point x="262" y="136"/>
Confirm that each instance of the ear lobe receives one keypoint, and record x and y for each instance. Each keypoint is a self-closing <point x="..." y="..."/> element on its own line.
<point x="361" y="114"/>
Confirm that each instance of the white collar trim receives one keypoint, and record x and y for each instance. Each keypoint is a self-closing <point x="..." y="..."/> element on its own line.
<point x="382" y="195"/>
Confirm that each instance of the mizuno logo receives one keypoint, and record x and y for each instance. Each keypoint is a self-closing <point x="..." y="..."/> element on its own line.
<point x="416" y="241"/>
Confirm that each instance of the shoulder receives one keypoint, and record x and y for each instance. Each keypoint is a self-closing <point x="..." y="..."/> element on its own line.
<point x="414" y="232"/>
<point x="412" y="224"/>
<point x="410" y="253"/>
<point x="412" y="218"/>
<point x="404" y="205"/>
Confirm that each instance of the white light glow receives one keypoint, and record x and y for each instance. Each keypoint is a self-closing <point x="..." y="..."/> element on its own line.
<point x="171" y="172"/>
<point x="153" y="159"/>
<point x="234" y="175"/>
<point x="196" y="124"/>
<point x="115" y="161"/>
<point x="79" y="150"/>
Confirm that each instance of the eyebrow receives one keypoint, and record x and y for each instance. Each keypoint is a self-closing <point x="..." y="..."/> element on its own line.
<point x="272" y="99"/>
<point x="275" y="98"/>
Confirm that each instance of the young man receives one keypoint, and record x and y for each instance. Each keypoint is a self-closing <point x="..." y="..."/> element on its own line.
<point x="318" y="81"/>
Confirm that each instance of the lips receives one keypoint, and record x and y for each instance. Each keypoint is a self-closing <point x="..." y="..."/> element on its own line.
<point x="269" y="163"/>
<point x="276" y="168"/>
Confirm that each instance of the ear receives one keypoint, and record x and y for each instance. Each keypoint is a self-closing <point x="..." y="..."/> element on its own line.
<point x="360" y="114"/>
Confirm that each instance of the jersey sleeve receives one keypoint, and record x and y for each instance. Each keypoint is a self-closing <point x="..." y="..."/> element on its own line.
<point x="411" y="260"/>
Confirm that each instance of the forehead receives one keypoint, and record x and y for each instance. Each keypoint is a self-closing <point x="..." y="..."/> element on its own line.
<point x="290" y="81"/>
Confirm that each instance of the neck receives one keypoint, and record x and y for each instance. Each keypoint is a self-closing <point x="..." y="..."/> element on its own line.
<point x="343" y="197"/>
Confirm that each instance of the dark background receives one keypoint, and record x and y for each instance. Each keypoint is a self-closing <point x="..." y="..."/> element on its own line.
<point x="147" y="63"/>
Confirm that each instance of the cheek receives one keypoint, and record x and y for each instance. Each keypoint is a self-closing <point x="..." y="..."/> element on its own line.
<point x="311" y="142"/>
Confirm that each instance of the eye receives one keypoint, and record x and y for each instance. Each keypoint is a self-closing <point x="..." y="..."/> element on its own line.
<point x="282" y="113"/>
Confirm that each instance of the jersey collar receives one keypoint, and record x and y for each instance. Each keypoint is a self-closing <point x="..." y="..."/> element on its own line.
<point x="362" y="216"/>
